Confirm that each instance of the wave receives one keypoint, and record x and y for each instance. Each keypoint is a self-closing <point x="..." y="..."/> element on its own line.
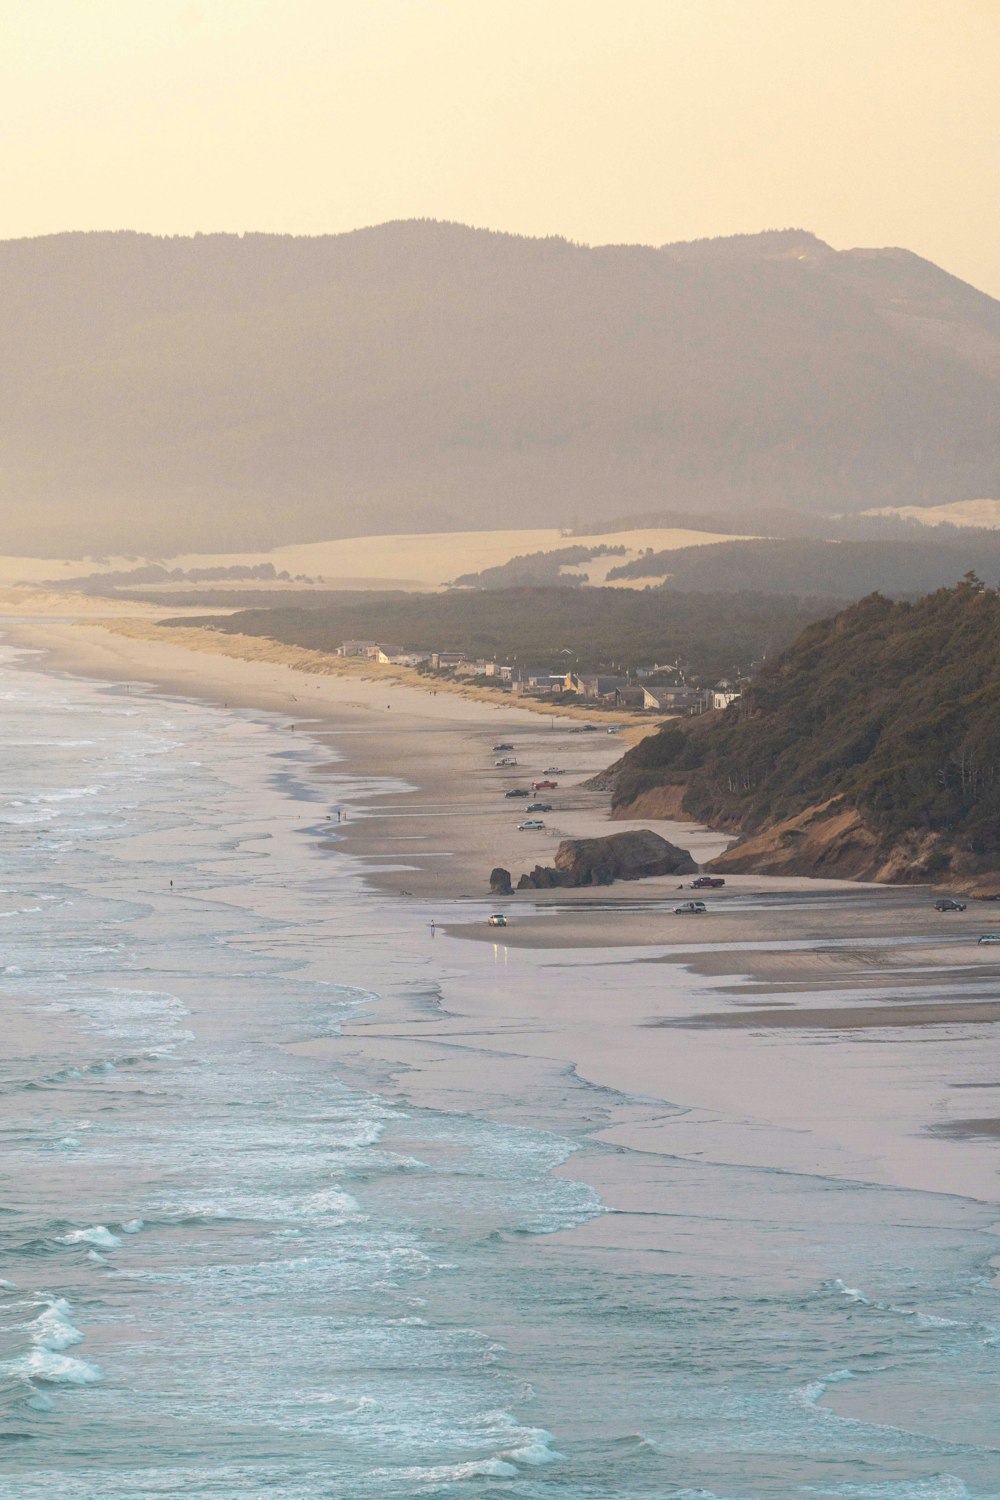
<point x="51" y="1332"/>
<point x="98" y="1235"/>
<point x="52" y="1328"/>
<point x="920" y="1318"/>
<point x="50" y="1368"/>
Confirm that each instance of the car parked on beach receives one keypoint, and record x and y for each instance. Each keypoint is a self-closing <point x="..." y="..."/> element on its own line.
<point x="707" y="883"/>
<point x="539" y="807"/>
<point x="990" y="937"/>
<point x="690" y="909"/>
<point x="947" y="904"/>
<point x="531" y="823"/>
<point x="518" y="791"/>
<point x="504" y="746"/>
<point x="506" y="760"/>
<point x="544" y="786"/>
<point x="497" y="919"/>
<point x="554" y="771"/>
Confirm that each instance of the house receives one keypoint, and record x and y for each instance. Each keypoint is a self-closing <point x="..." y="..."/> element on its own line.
<point x="484" y="668"/>
<point x="681" y="700"/>
<point x="369" y="650"/>
<point x="408" y="658"/>
<point x="441" y="660"/>
<point x="597" y="684"/>
<point x="721" y="697"/>
<point x="536" y="680"/>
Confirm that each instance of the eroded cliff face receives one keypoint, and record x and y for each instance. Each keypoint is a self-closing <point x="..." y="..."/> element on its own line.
<point x="658" y="802"/>
<point x="834" y="840"/>
<point x="820" y="841"/>
<point x="830" y="840"/>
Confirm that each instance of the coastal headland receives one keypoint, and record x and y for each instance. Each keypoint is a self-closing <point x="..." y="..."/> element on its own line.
<point x="806" y="1025"/>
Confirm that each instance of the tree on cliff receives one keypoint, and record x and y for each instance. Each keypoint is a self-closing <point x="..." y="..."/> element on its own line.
<point x="889" y="708"/>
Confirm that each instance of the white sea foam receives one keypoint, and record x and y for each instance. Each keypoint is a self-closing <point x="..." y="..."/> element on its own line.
<point x="97" y="1234"/>
<point x="332" y="1201"/>
<point x="811" y="1393"/>
<point x="57" y="1369"/>
<point x="536" y="1451"/>
<point x="53" y="1330"/>
<point x="922" y="1319"/>
<point x="476" y="1468"/>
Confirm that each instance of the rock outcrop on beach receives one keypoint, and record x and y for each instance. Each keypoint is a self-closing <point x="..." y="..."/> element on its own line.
<point x="500" y="882"/>
<point x="619" y="856"/>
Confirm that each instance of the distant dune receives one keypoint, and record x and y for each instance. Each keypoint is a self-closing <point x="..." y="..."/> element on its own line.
<point x="422" y="561"/>
<point x="959" y="513"/>
<point x="224" y="393"/>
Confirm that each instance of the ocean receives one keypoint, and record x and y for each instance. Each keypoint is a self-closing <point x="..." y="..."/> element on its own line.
<point x="234" y="1269"/>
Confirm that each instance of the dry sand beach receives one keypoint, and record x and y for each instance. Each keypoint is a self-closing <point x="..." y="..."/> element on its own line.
<point x="809" y="1025"/>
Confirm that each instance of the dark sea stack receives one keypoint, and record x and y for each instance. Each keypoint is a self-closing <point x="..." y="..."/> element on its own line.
<point x="500" y="882"/>
<point x="543" y="878"/>
<point x="620" y="856"/>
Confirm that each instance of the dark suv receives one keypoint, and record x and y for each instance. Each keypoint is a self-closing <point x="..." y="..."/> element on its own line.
<point x="707" y="883"/>
<point x="947" y="904"/>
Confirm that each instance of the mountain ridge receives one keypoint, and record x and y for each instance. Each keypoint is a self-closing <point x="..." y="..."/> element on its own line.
<point x="164" y="393"/>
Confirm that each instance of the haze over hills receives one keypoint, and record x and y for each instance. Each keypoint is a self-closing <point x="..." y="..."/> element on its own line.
<point x="224" y="392"/>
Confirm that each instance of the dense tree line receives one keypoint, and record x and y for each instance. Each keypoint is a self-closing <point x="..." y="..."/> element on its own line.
<point x="712" y="636"/>
<point x="538" y="568"/>
<point x="892" y="707"/>
<point x="830" y="569"/>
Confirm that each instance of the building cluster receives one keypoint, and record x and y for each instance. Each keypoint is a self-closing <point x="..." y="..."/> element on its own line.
<point x="623" y="691"/>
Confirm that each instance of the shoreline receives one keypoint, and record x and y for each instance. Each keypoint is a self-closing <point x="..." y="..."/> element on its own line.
<point x="614" y="987"/>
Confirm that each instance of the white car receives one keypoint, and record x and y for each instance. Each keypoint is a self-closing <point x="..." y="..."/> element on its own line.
<point x="531" y="824"/>
<point x="554" y="771"/>
<point x="690" y="909"/>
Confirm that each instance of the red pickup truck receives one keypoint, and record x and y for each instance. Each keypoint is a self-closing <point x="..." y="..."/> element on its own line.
<point x="543" y="786"/>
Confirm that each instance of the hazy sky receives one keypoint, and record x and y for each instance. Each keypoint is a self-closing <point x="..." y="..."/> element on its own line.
<point x="871" y="122"/>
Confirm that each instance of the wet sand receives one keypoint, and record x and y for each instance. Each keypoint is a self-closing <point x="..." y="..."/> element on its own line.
<point x="807" y="1026"/>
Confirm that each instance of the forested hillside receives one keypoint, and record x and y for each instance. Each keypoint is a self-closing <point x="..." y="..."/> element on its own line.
<point x="553" y="628"/>
<point x="830" y="569"/>
<point x="166" y="395"/>
<point x="870" y="747"/>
